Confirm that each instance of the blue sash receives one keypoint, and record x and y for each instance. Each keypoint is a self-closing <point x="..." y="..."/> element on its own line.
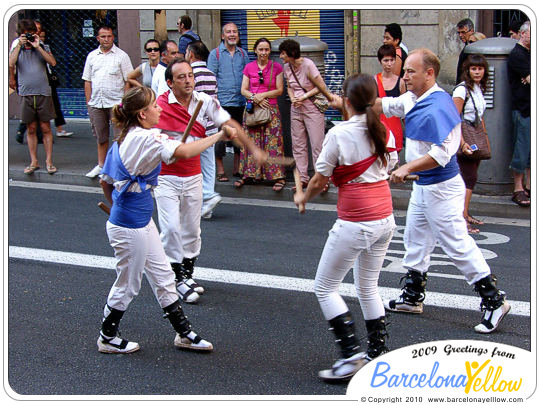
<point x="130" y="209"/>
<point x="432" y="120"/>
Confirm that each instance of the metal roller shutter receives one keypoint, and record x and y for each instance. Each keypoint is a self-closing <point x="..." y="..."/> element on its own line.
<point x="325" y="25"/>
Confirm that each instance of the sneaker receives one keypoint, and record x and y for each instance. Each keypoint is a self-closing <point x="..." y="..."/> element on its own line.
<point x="492" y="318"/>
<point x="187" y="293"/>
<point x="401" y="306"/>
<point x="94" y="172"/>
<point x="115" y="345"/>
<point x="207" y="216"/>
<point x="196" y="286"/>
<point x="343" y="369"/>
<point x="63" y="133"/>
<point x="209" y="205"/>
<point x="192" y="342"/>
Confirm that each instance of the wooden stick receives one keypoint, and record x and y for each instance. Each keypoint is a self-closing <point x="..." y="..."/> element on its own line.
<point x="280" y="160"/>
<point x="104" y="207"/>
<point x="411" y="177"/>
<point x="192" y="121"/>
<point x="299" y="191"/>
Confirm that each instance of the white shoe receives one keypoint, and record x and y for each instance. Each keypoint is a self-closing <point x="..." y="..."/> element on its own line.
<point x="196" y="286"/>
<point x="207" y="216"/>
<point x="116" y="345"/>
<point x="400" y="306"/>
<point x="63" y="133"/>
<point x="94" y="172"/>
<point x="187" y="293"/>
<point x="193" y="342"/>
<point x="343" y="369"/>
<point x="491" y="319"/>
<point x="209" y="205"/>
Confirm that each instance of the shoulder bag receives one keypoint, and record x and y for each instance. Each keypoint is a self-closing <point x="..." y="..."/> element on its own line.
<point x="318" y="99"/>
<point x="260" y="116"/>
<point x="474" y="133"/>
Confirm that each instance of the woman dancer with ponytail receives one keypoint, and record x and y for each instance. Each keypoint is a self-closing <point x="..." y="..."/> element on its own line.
<point x="130" y="172"/>
<point x="357" y="155"/>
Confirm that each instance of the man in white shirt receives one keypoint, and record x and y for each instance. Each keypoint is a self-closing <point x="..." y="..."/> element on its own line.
<point x="105" y="78"/>
<point x="435" y="212"/>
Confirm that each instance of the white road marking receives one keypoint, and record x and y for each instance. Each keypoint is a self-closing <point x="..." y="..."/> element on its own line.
<point x="445" y="300"/>
<point x="255" y="202"/>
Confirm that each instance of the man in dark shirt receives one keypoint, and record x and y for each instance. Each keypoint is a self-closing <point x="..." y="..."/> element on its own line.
<point x="465" y="29"/>
<point x="519" y="76"/>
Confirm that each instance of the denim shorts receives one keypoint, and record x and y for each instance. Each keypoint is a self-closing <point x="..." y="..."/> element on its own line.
<point x="521" y="159"/>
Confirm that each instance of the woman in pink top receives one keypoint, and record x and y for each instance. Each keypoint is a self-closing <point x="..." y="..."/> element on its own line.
<point x="262" y="83"/>
<point x="357" y="154"/>
<point x="307" y="122"/>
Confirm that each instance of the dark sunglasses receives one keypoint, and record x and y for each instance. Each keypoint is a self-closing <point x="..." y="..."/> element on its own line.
<point x="152" y="49"/>
<point x="261" y="78"/>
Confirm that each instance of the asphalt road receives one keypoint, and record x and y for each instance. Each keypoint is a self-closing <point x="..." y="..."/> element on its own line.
<point x="269" y="334"/>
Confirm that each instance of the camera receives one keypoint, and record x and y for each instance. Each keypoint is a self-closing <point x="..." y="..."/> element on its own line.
<point x="29" y="37"/>
<point x="249" y="106"/>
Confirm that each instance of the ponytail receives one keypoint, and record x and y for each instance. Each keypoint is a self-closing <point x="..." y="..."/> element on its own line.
<point x="361" y="90"/>
<point x="126" y="114"/>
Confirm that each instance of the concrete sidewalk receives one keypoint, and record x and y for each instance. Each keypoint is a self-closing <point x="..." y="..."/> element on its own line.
<point x="76" y="155"/>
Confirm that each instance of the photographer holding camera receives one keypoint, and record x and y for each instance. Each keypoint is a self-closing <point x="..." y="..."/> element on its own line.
<point x="28" y="60"/>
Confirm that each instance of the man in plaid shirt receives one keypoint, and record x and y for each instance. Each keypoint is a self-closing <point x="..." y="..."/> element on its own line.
<point x="105" y="78"/>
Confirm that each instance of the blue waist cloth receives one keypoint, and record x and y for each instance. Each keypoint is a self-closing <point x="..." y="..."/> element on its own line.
<point x="130" y="209"/>
<point x="431" y="120"/>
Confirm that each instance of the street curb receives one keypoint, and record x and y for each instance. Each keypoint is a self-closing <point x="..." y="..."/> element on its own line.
<point x="495" y="206"/>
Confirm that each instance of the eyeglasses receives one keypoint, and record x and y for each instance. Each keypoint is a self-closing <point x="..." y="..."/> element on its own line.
<point x="463" y="32"/>
<point x="261" y="78"/>
<point x="152" y="49"/>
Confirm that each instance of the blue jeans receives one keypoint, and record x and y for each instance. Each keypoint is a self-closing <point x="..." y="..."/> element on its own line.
<point x="521" y="159"/>
<point x="208" y="168"/>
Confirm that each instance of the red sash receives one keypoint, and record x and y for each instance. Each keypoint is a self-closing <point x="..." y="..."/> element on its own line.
<point x="394" y="123"/>
<point x="345" y="173"/>
<point x="175" y="117"/>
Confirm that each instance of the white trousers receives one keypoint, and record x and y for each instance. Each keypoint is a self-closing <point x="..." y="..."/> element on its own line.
<point x="139" y="251"/>
<point x="435" y="214"/>
<point x="179" y="202"/>
<point x="362" y="246"/>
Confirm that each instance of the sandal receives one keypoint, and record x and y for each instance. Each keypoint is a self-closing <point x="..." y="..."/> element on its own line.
<point x="222" y="177"/>
<point x="473" y="221"/>
<point x="239" y="183"/>
<point x="521" y="199"/>
<point x="51" y="169"/>
<point x="31" y="169"/>
<point x="278" y="185"/>
<point x="527" y="191"/>
<point x="472" y="230"/>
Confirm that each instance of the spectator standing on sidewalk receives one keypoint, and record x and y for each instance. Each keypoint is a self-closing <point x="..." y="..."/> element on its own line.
<point x="150" y="70"/>
<point x="105" y="78"/>
<point x="187" y="36"/>
<point x="29" y="60"/>
<point x="169" y="52"/>
<point x="519" y="75"/>
<point x="227" y="61"/>
<point x="205" y="82"/>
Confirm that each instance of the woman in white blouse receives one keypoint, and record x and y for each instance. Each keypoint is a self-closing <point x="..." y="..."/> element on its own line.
<point x="357" y="154"/>
<point x="469" y="99"/>
<point x="129" y="174"/>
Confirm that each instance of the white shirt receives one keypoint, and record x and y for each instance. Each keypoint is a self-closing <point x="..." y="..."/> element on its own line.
<point x="108" y="73"/>
<point x="400" y="106"/>
<point x="468" y="108"/>
<point x="347" y="143"/>
<point x="141" y="151"/>
<point x="211" y="110"/>
<point x="159" y="84"/>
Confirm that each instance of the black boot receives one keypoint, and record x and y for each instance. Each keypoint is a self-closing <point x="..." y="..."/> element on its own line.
<point x="188" y="266"/>
<point x="376" y="337"/>
<point x="186" y="338"/>
<point x="412" y="294"/>
<point x="186" y="292"/>
<point x="109" y="340"/>
<point x="493" y="304"/>
<point x="351" y="361"/>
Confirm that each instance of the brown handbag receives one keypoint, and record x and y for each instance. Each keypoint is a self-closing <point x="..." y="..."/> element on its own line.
<point x="260" y="116"/>
<point x="474" y="133"/>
